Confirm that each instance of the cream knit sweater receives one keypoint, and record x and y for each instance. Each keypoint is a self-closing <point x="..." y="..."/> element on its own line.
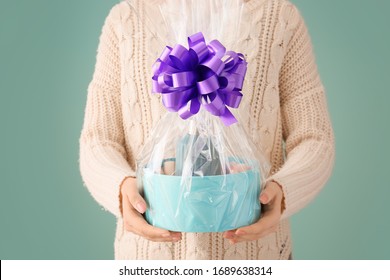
<point x="284" y="105"/>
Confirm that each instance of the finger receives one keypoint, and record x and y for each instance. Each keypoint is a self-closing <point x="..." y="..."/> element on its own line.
<point x="256" y="231"/>
<point x="268" y="223"/>
<point x="153" y="233"/>
<point x="135" y="222"/>
<point x="269" y="219"/>
<point x="139" y="226"/>
<point x="229" y="234"/>
<point x="246" y="238"/>
<point x="256" y="235"/>
<point x="135" y="199"/>
<point x="268" y="194"/>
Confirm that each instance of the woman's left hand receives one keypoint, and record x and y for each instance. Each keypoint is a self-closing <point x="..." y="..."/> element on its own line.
<point x="271" y="198"/>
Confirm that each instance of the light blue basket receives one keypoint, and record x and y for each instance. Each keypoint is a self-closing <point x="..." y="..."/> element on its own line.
<point x="210" y="204"/>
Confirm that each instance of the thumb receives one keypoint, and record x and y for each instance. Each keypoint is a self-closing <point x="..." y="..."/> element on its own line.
<point x="136" y="200"/>
<point x="267" y="194"/>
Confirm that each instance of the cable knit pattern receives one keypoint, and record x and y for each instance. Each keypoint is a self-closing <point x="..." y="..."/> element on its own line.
<point x="284" y="111"/>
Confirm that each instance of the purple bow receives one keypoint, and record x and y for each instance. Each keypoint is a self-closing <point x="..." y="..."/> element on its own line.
<point x="205" y="75"/>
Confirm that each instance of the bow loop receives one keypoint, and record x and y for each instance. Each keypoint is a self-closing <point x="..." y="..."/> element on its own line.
<point x="203" y="75"/>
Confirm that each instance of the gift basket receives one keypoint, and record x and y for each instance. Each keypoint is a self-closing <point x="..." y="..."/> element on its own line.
<point x="199" y="171"/>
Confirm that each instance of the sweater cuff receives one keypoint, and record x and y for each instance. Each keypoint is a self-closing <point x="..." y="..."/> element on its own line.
<point x="303" y="176"/>
<point x="103" y="169"/>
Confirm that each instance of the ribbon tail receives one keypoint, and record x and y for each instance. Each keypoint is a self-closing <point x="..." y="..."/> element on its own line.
<point x="227" y="118"/>
<point x="191" y="108"/>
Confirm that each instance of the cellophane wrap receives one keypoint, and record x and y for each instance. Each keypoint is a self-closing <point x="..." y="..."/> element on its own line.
<point x="199" y="171"/>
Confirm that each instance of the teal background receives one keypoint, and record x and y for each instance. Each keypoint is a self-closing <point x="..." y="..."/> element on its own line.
<point x="47" y="55"/>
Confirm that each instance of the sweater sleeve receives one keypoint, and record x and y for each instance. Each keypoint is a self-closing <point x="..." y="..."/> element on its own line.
<point x="307" y="130"/>
<point x="103" y="163"/>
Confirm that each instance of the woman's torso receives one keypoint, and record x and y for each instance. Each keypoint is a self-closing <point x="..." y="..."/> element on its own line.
<point x="262" y="40"/>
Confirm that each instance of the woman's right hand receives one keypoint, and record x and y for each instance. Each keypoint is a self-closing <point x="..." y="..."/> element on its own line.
<point x="132" y="207"/>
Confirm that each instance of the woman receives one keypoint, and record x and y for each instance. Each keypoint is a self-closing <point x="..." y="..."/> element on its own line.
<point x="284" y="106"/>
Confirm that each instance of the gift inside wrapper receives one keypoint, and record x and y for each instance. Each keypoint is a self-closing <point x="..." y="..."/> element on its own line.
<point x="198" y="170"/>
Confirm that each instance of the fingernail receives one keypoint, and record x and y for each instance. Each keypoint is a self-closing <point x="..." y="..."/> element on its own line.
<point x="175" y="238"/>
<point x="166" y="234"/>
<point x="140" y="208"/>
<point x="264" y="198"/>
